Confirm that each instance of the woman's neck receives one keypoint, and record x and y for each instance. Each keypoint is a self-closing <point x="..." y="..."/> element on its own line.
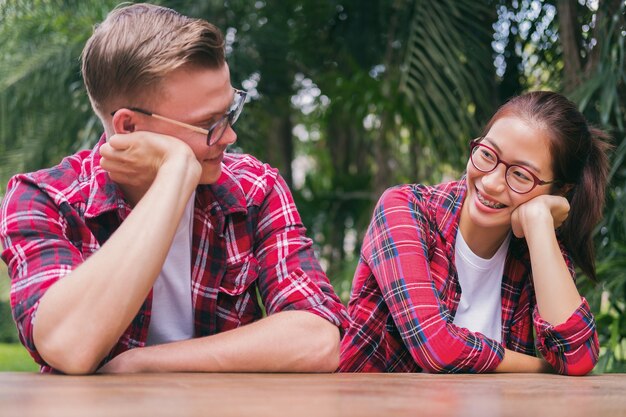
<point x="483" y="241"/>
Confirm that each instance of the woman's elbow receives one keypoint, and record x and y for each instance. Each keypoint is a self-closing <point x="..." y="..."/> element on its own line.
<point x="578" y="369"/>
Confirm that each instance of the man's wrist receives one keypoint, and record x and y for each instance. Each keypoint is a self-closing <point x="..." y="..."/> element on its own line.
<point x="181" y="165"/>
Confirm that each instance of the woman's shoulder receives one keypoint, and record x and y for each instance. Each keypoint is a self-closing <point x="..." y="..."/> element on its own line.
<point x="444" y="194"/>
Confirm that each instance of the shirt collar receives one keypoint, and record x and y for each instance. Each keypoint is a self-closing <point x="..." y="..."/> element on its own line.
<point x="449" y="208"/>
<point x="104" y="194"/>
<point x="226" y="193"/>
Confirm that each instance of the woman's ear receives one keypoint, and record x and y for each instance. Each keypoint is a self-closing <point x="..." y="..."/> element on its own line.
<point x="124" y="121"/>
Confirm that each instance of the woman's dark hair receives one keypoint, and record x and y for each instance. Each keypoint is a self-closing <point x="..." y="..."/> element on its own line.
<point x="579" y="162"/>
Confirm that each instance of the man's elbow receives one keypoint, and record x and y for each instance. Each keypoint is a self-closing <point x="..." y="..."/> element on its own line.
<point x="69" y="358"/>
<point x="329" y="361"/>
<point x="324" y="353"/>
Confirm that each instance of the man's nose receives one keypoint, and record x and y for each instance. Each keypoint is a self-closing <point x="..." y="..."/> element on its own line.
<point x="228" y="137"/>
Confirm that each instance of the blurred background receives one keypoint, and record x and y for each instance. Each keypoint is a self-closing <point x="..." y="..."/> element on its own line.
<point x="347" y="98"/>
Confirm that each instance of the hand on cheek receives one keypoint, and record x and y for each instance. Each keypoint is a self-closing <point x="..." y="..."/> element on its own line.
<point x="135" y="158"/>
<point x="541" y="211"/>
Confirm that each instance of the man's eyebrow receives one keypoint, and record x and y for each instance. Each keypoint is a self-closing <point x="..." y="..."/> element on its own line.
<point x="213" y="116"/>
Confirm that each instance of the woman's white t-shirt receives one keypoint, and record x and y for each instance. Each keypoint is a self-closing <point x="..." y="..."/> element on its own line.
<point x="480" y="306"/>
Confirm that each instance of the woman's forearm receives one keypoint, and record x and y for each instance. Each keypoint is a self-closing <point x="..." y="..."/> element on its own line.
<point x="519" y="362"/>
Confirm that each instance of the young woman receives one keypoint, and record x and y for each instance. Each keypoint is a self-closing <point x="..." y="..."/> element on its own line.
<point x="455" y="277"/>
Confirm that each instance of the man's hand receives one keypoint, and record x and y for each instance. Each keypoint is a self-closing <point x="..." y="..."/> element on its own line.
<point x="539" y="210"/>
<point x="134" y="159"/>
<point x="124" y="363"/>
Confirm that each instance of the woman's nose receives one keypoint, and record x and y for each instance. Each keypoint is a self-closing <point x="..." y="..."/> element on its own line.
<point x="495" y="181"/>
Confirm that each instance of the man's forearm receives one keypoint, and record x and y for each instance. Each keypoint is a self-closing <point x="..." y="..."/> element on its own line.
<point x="292" y="341"/>
<point x="81" y="316"/>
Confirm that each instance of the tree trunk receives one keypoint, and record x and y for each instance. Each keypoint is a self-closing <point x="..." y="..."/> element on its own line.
<point x="606" y="10"/>
<point x="280" y="141"/>
<point x="382" y="154"/>
<point x="568" y="27"/>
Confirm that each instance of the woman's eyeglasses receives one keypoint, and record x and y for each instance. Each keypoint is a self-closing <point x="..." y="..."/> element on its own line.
<point x="519" y="179"/>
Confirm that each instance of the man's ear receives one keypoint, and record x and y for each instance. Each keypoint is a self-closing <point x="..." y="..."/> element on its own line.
<point x="124" y="121"/>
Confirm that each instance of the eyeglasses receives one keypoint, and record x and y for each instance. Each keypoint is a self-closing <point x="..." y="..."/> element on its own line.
<point x="217" y="129"/>
<point x="518" y="178"/>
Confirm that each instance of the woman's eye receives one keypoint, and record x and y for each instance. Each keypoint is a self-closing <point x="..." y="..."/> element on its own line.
<point x="521" y="175"/>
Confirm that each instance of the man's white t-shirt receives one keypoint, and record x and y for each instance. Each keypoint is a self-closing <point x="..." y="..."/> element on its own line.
<point x="480" y="306"/>
<point x="172" y="310"/>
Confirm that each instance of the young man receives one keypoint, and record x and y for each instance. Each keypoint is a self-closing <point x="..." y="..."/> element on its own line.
<point x="146" y="253"/>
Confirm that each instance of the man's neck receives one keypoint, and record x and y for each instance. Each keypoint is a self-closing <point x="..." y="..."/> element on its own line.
<point x="132" y="194"/>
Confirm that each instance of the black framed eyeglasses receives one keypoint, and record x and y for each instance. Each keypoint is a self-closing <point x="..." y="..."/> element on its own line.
<point x="519" y="179"/>
<point x="217" y="129"/>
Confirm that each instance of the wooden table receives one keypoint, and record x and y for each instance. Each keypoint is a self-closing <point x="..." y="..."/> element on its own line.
<point x="255" y="395"/>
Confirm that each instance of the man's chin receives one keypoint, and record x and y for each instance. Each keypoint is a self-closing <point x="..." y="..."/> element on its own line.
<point x="209" y="178"/>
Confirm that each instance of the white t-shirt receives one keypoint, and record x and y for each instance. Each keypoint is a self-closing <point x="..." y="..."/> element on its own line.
<point x="172" y="310"/>
<point x="480" y="306"/>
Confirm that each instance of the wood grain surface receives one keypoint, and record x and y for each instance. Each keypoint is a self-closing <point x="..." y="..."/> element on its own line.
<point x="27" y="394"/>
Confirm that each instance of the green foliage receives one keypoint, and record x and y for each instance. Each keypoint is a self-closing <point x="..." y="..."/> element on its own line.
<point x="44" y="110"/>
<point x="8" y="332"/>
<point x="602" y="97"/>
<point x="449" y="73"/>
<point x="348" y="97"/>
<point x="14" y="358"/>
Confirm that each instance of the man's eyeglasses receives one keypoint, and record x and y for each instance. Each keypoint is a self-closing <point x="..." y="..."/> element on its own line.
<point x="519" y="179"/>
<point x="217" y="129"/>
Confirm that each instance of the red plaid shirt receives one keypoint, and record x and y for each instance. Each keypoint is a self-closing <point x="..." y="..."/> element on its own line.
<point x="247" y="235"/>
<point x="406" y="292"/>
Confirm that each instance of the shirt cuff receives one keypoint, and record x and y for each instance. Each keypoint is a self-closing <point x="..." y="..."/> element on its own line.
<point x="299" y="292"/>
<point x="567" y="336"/>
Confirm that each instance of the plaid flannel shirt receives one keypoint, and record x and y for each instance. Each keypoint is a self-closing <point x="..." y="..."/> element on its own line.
<point x="247" y="235"/>
<point x="406" y="291"/>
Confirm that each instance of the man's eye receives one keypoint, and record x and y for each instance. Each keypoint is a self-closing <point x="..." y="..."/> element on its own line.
<point x="207" y="125"/>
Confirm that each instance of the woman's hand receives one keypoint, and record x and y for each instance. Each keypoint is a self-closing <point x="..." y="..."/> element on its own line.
<point x="542" y="210"/>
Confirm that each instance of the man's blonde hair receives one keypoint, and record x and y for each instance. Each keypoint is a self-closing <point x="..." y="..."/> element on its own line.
<point x="136" y="46"/>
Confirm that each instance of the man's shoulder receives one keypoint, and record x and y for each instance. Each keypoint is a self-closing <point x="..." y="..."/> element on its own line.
<point x="243" y="164"/>
<point x="62" y="182"/>
<point x="438" y="206"/>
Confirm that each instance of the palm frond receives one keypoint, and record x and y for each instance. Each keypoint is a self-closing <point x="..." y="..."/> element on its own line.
<point x="44" y="110"/>
<point x="448" y="70"/>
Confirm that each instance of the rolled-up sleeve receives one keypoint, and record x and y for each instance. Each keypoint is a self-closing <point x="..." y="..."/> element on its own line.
<point x="36" y="252"/>
<point x="290" y="277"/>
<point x="572" y="347"/>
